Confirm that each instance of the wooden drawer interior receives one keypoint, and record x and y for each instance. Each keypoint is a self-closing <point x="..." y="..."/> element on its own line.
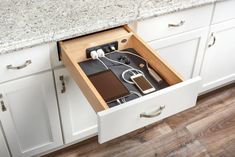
<point x="73" y="51"/>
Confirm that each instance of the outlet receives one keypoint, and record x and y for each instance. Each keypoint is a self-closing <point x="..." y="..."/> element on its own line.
<point x="105" y="47"/>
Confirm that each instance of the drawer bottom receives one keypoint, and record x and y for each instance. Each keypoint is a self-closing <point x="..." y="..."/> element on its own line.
<point x="91" y="67"/>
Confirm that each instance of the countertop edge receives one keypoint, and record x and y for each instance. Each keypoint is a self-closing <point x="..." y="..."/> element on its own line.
<point x="58" y="36"/>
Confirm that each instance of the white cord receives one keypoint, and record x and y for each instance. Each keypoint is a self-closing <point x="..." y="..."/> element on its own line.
<point x="151" y="71"/>
<point x="100" y="53"/>
<point x="97" y="55"/>
<point x="118" y="101"/>
<point x="103" y="63"/>
<point x="136" y="93"/>
<point x="123" y="100"/>
<point x="111" y="60"/>
<point x="132" y="70"/>
<point x="127" y="52"/>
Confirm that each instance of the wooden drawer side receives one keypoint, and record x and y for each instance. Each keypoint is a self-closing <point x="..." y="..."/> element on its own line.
<point x="83" y="82"/>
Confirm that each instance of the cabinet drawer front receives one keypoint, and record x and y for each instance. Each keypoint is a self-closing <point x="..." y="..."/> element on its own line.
<point x="125" y="118"/>
<point x="24" y="62"/>
<point x="224" y="11"/>
<point x="175" y="23"/>
<point x="178" y="96"/>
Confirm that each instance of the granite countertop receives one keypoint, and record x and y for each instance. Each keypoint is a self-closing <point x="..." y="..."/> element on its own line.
<point x="27" y="23"/>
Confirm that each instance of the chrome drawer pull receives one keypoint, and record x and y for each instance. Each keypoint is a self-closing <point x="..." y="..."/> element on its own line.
<point x="19" y="67"/>
<point x="181" y="23"/>
<point x="154" y="113"/>
<point x="214" y="40"/>
<point x="63" y="90"/>
<point x="3" y="107"/>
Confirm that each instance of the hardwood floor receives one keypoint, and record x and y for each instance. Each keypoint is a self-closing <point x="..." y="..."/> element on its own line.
<point x="207" y="130"/>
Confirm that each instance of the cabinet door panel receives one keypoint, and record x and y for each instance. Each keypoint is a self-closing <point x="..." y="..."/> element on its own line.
<point x="219" y="65"/>
<point x="31" y="121"/>
<point x="184" y="52"/>
<point x="79" y="121"/>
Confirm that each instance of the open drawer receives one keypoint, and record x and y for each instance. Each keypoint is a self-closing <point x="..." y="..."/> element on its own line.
<point x="124" y="118"/>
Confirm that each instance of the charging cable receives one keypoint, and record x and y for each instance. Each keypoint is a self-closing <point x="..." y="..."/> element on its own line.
<point x="150" y="70"/>
<point x="103" y="63"/>
<point x="118" y="101"/>
<point x="131" y="69"/>
<point x="136" y="93"/>
<point x="123" y="99"/>
<point x="96" y="54"/>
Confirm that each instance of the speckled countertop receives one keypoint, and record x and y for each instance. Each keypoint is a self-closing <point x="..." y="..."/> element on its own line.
<point x="26" y="23"/>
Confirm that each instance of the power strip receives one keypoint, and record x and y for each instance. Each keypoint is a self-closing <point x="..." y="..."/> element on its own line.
<point x="105" y="47"/>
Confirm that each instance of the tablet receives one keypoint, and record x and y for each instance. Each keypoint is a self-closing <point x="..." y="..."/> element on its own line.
<point x="108" y="85"/>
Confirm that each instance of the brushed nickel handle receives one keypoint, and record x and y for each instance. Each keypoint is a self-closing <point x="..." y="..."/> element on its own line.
<point x="181" y="23"/>
<point x="63" y="90"/>
<point x="154" y="113"/>
<point x="19" y="67"/>
<point x="3" y="107"/>
<point x="214" y="40"/>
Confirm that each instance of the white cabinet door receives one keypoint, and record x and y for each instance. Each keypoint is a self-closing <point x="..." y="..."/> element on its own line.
<point x="79" y="120"/>
<point x="219" y="61"/>
<point x="31" y="120"/>
<point x="184" y="52"/>
<point x="3" y="146"/>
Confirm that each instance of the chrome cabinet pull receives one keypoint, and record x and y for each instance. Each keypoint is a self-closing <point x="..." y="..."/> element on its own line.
<point x="63" y="90"/>
<point x="19" y="67"/>
<point x="214" y="40"/>
<point x="3" y="107"/>
<point x="181" y="23"/>
<point x="154" y="113"/>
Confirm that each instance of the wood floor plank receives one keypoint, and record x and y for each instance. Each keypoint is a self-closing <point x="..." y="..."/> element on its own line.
<point x="205" y="106"/>
<point x="217" y="131"/>
<point x="178" y="143"/>
<point x="94" y="149"/>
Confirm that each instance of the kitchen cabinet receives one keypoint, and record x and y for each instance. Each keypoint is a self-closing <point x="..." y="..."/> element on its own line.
<point x="30" y="120"/>
<point x="184" y="51"/>
<point x="30" y="116"/>
<point x="79" y="120"/>
<point x="219" y="65"/>
<point x="3" y="145"/>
